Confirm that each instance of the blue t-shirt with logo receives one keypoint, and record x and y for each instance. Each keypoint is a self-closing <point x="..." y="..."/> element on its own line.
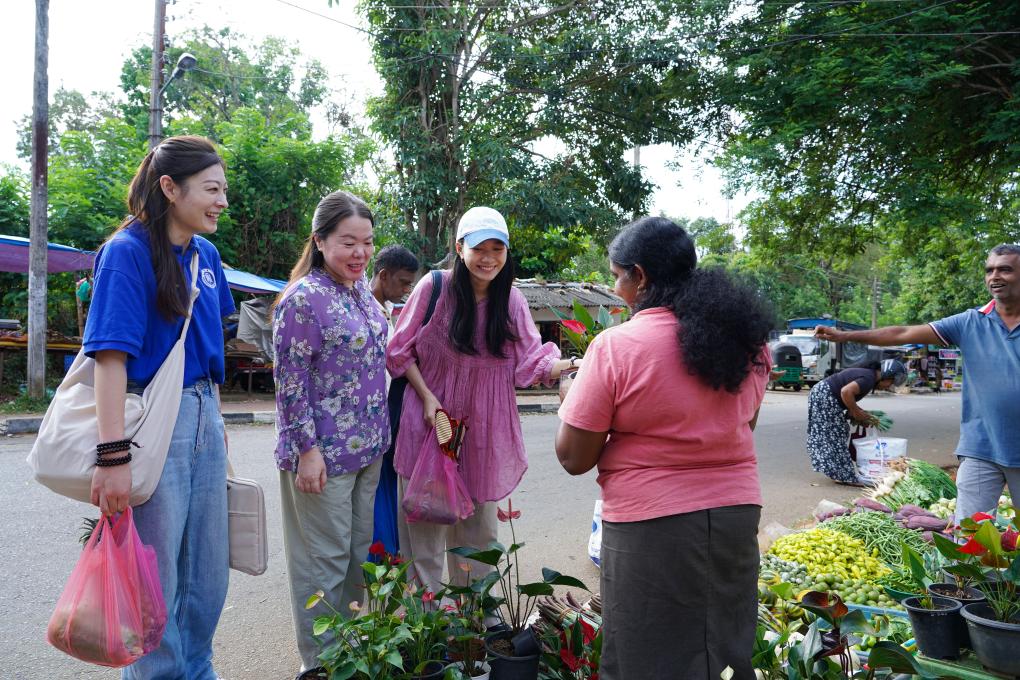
<point x="991" y="384"/>
<point x="123" y="314"/>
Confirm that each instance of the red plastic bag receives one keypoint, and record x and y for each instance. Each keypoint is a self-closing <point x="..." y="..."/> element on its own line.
<point x="436" y="493"/>
<point x="112" y="611"/>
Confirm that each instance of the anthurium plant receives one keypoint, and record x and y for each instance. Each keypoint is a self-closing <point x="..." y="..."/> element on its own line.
<point x="514" y="600"/>
<point x="990" y="556"/>
<point x="580" y="328"/>
<point x="397" y="631"/>
<point x="822" y="651"/>
<point x="571" y="653"/>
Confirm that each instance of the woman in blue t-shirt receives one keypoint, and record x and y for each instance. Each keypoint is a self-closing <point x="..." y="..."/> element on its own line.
<point x="832" y="404"/>
<point x="142" y="279"/>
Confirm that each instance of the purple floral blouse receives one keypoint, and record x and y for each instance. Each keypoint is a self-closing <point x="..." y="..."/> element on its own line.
<point x="330" y="373"/>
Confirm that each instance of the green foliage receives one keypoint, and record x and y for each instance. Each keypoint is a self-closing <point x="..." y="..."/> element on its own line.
<point x="277" y="174"/>
<point x="232" y="74"/>
<point x="471" y="89"/>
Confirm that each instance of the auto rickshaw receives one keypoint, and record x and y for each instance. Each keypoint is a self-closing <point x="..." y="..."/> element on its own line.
<point x="786" y="357"/>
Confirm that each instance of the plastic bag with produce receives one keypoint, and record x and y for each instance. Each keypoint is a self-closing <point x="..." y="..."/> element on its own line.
<point x="112" y="611"/>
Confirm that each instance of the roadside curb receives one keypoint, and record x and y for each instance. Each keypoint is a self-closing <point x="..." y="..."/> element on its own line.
<point x="30" y="425"/>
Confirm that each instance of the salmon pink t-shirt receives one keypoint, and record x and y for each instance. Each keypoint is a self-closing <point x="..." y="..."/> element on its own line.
<point x="675" y="444"/>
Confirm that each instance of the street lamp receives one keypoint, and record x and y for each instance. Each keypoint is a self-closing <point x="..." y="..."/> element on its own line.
<point x="184" y="64"/>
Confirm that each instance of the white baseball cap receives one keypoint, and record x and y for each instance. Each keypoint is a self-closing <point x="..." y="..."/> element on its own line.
<point x="480" y="224"/>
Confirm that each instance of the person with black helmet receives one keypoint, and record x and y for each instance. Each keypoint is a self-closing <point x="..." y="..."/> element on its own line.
<point x="833" y="403"/>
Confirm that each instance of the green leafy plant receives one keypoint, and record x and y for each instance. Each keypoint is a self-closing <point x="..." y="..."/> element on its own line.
<point x="997" y="550"/>
<point x="570" y="653"/>
<point x="466" y="614"/>
<point x="396" y="631"/>
<point x="514" y="601"/>
<point x="580" y="328"/>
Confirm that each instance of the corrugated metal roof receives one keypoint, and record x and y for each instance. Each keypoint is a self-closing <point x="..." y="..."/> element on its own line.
<point x="561" y="294"/>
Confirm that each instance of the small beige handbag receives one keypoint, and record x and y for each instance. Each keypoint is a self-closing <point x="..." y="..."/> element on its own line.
<point x="63" y="457"/>
<point x="246" y="525"/>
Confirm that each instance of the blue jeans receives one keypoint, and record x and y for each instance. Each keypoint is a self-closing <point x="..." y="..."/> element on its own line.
<point x="185" y="521"/>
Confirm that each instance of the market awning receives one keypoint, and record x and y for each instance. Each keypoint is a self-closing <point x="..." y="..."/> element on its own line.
<point x="59" y="258"/>
<point x="250" y="283"/>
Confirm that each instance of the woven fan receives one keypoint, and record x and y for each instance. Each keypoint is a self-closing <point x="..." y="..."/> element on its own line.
<point x="449" y="433"/>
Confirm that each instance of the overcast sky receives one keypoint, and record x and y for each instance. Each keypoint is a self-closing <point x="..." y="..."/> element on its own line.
<point x="90" y="40"/>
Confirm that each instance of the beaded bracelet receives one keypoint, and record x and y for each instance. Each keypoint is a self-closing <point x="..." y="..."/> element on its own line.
<point x="114" y="447"/>
<point x="112" y="462"/>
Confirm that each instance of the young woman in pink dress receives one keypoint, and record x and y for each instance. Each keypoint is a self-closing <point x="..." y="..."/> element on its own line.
<point x="479" y="344"/>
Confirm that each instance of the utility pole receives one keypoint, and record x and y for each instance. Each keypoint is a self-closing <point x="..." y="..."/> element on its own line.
<point x="637" y="166"/>
<point x="155" y="95"/>
<point x="38" y="227"/>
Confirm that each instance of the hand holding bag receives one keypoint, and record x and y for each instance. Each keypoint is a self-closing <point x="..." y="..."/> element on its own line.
<point x="436" y="492"/>
<point x="112" y="610"/>
<point x="63" y="457"/>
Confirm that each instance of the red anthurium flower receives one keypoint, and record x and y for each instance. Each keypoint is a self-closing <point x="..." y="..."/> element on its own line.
<point x="449" y="608"/>
<point x="981" y="516"/>
<point x="377" y="548"/>
<point x="973" y="547"/>
<point x="1009" y="539"/>
<point x="508" y="514"/>
<point x="575" y="325"/>
<point x="428" y="596"/>
<point x="572" y="662"/>
<point x="588" y="632"/>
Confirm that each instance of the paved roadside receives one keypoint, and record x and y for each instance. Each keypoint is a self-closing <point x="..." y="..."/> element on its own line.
<point x="261" y="409"/>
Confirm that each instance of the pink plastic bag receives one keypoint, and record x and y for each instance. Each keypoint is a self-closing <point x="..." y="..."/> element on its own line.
<point x="112" y="611"/>
<point x="436" y="493"/>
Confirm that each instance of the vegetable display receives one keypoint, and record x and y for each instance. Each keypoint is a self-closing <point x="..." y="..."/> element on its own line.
<point x="913" y="482"/>
<point x="879" y="532"/>
<point x="824" y="551"/>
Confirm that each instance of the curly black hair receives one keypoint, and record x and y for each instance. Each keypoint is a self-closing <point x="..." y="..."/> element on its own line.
<point x="723" y="323"/>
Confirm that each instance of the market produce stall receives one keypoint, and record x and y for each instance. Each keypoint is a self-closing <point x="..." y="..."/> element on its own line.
<point x="889" y="545"/>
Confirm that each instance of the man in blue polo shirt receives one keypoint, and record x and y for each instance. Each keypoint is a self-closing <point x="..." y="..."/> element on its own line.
<point x="989" y="337"/>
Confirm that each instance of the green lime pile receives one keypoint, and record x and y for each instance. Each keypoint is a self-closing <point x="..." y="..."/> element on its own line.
<point x="853" y="591"/>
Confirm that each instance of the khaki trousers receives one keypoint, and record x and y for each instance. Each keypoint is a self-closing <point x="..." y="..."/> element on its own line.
<point x="326" y="538"/>
<point x="427" y="543"/>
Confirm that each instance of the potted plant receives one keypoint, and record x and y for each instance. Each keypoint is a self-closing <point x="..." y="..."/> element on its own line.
<point x="933" y="618"/>
<point x="396" y="634"/>
<point x="572" y="652"/>
<point x="994" y="625"/>
<point x="466" y="635"/>
<point x="581" y="327"/>
<point x="514" y="602"/>
<point x="965" y="571"/>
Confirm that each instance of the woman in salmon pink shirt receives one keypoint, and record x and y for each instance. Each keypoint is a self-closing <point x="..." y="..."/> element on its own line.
<point x="665" y="406"/>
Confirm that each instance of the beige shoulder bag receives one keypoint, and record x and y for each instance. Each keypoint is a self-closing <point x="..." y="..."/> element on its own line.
<point x="246" y="524"/>
<point x="64" y="454"/>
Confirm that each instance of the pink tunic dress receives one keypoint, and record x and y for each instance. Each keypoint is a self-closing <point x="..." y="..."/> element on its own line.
<point x="477" y="388"/>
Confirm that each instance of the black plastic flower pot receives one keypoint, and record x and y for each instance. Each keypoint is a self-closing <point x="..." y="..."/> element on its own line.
<point x="434" y="670"/>
<point x="506" y="666"/>
<point x="318" y="673"/>
<point x="995" y="642"/>
<point x="935" y="629"/>
<point x="964" y="597"/>
<point x="525" y="643"/>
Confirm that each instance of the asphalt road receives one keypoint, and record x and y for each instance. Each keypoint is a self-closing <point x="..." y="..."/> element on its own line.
<point x="255" y="640"/>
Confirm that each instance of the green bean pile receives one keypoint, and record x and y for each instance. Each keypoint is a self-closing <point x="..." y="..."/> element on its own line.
<point x="878" y="530"/>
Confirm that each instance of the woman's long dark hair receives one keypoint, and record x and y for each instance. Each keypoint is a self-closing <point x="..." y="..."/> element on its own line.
<point x="179" y="158"/>
<point x="497" y="324"/>
<point x="723" y="323"/>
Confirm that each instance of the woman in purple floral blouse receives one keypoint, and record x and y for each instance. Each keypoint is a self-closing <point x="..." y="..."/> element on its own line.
<point x="329" y="337"/>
